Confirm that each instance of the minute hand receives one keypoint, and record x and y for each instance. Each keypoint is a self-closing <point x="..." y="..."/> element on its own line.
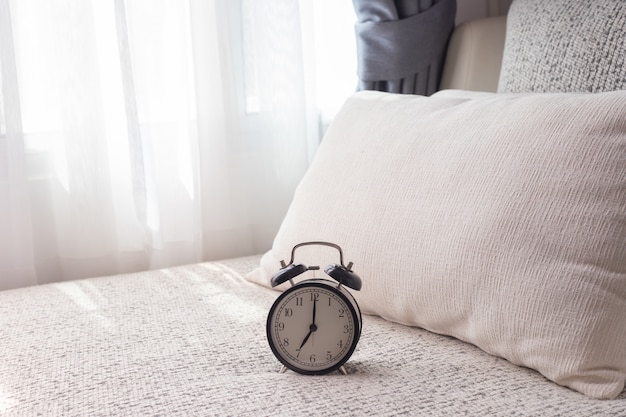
<point x="312" y="327"/>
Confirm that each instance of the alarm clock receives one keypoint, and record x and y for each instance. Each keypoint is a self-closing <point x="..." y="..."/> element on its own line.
<point x="314" y="326"/>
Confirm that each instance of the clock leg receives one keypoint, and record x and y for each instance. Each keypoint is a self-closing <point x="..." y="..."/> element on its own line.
<point x="283" y="370"/>
<point x="343" y="370"/>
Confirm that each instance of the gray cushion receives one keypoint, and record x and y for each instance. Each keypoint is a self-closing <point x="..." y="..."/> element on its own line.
<point x="564" y="46"/>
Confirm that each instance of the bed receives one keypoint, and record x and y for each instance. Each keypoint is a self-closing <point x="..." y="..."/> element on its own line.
<point x="191" y="341"/>
<point x="493" y="268"/>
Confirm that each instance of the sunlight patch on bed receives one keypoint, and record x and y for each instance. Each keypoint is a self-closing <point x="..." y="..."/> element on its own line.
<point x="212" y="267"/>
<point x="231" y="305"/>
<point x="230" y="273"/>
<point x="226" y="269"/>
<point x="106" y="322"/>
<point x="189" y="275"/>
<point x="76" y="294"/>
<point x="6" y="402"/>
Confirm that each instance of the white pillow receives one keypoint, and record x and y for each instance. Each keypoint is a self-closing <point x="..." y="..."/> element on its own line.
<point x="494" y="218"/>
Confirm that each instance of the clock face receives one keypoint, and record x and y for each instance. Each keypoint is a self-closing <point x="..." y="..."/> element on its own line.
<point x="314" y="326"/>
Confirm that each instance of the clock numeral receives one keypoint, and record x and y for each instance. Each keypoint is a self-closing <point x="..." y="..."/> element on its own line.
<point x="312" y="358"/>
<point x="288" y="312"/>
<point x="346" y="328"/>
<point x="342" y="312"/>
<point x="281" y="326"/>
<point x="329" y="355"/>
<point x="315" y="296"/>
<point x="298" y="301"/>
<point x="340" y="344"/>
<point x="329" y="301"/>
<point x="286" y="341"/>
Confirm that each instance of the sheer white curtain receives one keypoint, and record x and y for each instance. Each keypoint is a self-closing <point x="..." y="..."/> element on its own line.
<point x="139" y="134"/>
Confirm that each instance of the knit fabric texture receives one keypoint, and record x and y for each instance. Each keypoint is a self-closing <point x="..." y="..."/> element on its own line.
<point x="564" y="46"/>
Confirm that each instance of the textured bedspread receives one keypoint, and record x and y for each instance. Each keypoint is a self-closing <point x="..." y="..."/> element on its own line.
<point x="190" y="341"/>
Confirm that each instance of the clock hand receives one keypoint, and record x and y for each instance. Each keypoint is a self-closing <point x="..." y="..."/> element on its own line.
<point x="312" y="327"/>
<point x="306" y="338"/>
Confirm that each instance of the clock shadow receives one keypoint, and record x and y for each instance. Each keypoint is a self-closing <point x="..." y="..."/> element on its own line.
<point x="351" y="368"/>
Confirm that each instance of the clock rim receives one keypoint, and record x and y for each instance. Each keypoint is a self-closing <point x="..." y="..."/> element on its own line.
<point x="348" y="299"/>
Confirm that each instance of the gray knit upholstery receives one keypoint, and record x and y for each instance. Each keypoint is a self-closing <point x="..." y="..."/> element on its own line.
<point x="564" y="46"/>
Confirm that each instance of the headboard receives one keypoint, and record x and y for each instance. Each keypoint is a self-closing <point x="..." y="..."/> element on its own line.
<point x="474" y="55"/>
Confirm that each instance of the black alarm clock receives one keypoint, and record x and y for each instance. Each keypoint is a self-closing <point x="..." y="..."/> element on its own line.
<point x="314" y="326"/>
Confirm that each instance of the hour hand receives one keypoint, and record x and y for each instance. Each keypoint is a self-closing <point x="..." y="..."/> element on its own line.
<point x="306" y="338"/>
